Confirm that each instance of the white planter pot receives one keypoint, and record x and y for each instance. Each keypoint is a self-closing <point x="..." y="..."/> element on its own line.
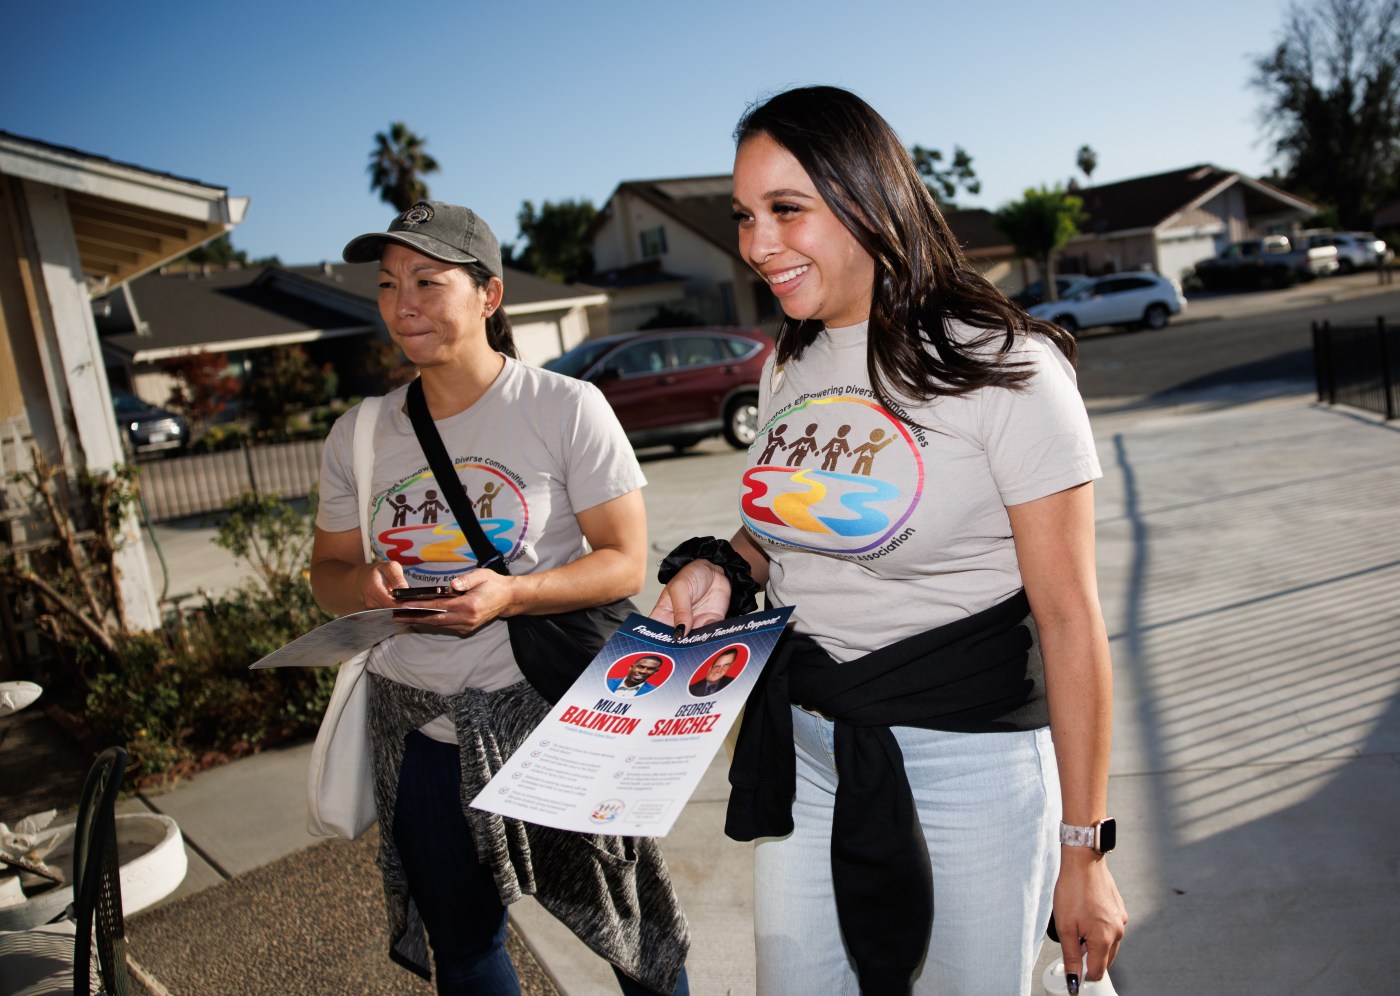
<point x="151" y="851"/>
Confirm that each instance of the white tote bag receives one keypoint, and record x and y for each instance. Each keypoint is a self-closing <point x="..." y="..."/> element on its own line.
<point x="339" y="784"/>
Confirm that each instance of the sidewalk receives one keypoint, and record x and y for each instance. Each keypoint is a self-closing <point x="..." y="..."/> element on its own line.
<point x="1249" y="564"/>
<point x="1208" y="306"/>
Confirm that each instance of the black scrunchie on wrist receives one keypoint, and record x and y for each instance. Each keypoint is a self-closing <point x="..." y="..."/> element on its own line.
<point x="743" y="589"/>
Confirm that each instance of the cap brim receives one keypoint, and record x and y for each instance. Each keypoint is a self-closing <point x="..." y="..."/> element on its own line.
<point x="369" y="248"/>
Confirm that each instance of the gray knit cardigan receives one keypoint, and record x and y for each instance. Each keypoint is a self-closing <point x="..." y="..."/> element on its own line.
<point x="613" y="892"/>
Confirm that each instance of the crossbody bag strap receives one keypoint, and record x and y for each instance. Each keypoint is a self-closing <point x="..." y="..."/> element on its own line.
<point x="362" y="455"/>
<point x="446" y="475"/>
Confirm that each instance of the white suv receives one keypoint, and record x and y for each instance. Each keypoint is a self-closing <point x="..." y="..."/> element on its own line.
<point x="1145" y="299"/>
<point x="1355" y="250"/>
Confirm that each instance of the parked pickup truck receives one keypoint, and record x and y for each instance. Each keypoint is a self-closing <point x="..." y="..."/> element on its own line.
<point x="1273" y="261"/>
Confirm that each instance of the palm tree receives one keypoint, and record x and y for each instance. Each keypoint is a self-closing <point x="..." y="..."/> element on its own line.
<point x="1087" y="161"/>
<point x="397" y="165"/>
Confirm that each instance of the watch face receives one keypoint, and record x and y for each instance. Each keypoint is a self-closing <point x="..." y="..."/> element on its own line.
<point x="1108" y="835"/>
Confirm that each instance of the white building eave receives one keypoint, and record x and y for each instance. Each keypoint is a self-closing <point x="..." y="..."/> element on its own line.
<point x="558" y="304"/>
<point x="253" y="342"/>
<point x="119" y="182"/>
<point x="126" y="220"/>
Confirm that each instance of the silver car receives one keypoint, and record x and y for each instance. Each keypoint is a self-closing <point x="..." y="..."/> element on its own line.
<point x="1355" y="250"/>
<point x="1141" y="299"/>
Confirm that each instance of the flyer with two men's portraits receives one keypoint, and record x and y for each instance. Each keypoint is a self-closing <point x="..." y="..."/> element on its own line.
<point x="624" y="749"/>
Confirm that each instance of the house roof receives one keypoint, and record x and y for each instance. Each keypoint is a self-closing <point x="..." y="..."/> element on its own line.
<point x="226" y="310"/>
<point x="647" y="273"/>
<point x="976" y="230"/>
<point x="1145" y="202"/>
<point x="127" y="220"/>
<point x="700" y="203"/>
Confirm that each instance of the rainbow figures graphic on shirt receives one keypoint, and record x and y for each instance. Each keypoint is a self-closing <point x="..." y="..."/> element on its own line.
<point x="412" y="524"/>
<point x="825" y="476"/>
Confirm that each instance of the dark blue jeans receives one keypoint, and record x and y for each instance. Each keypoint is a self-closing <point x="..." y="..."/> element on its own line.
<point x="454" y="892"/>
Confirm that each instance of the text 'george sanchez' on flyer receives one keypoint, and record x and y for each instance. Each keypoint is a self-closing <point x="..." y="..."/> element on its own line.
<point x="624" y="749"/>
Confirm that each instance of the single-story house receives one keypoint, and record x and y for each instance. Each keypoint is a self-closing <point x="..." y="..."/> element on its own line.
<point x="327" y="308"/>
<point x="74" y="226"/>
<point x="1168" y="222"/>
<point x="233" y="312"/>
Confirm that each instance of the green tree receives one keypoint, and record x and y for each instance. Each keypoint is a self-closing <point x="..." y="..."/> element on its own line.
<point x="1087" y="160"/>
<point x="1331" y="103"/>
<point x="283" y="383"/>
<point x="397" y="164"/>
<point x="943" y="181"/>
<point x="1039" y="225"/>
<point x="220" y="253"/>
<point x="217" y="252"/>
<point x="557" y="248"/>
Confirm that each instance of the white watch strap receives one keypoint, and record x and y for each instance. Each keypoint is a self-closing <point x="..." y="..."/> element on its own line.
<point x="1073" y="836"/>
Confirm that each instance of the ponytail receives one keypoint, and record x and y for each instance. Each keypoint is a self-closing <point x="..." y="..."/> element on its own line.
<point x="498" y="332"/>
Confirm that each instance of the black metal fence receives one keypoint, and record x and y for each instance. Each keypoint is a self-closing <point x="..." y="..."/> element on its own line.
<point x="1358" y="365"/>
<point x="195" y="484"/>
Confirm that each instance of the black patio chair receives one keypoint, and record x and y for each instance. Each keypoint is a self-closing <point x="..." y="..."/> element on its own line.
<point x="97" y="887"/>
<point x="55" y="955"/>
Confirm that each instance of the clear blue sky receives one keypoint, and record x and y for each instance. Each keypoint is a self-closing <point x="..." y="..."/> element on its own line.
<point x="279" y="102"/>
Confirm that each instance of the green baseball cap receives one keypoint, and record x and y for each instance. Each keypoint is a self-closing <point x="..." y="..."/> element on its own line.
<point x="445" y="232"/>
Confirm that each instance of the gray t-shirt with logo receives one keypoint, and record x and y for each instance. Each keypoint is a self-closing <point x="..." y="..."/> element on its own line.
<point x="879" y="529"/>
<point x="533" y="451"/>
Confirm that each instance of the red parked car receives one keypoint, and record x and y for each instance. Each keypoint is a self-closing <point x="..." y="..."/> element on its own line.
<point x="676" y="386"/>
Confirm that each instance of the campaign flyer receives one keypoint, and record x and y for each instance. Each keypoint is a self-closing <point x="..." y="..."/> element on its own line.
<point x="343" y="637"/>
<point x="624" y="749"/>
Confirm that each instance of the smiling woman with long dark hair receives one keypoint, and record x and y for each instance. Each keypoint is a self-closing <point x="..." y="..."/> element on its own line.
<point x="925" y="765"/>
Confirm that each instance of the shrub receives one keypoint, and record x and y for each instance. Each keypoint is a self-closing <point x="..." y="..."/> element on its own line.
<point x="271" y="535"/>
<point x="222" y="437"/>
<point x="182" y="697"/>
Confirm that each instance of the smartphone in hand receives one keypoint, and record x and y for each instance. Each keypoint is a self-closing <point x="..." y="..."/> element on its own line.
<point x="423" y="594"/>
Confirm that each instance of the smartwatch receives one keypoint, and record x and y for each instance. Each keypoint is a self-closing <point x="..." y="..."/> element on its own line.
<point x="1101" y="836"/>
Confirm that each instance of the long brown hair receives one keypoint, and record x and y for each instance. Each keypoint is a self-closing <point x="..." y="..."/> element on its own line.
<point x="922" y="277"/>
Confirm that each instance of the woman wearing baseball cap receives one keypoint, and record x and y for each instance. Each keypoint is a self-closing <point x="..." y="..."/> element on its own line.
<point x="556" y="487"/>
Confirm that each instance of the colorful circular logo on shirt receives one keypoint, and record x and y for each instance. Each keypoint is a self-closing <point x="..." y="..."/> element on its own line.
<point x="834" y="475"/>
<point x="413" y="525"/>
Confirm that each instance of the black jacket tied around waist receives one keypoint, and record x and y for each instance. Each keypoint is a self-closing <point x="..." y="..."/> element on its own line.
<point x="980" y="674"/>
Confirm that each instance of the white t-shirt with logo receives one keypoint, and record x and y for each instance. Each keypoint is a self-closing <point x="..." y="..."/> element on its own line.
<point x="534" y="450"/>
<point x="879" y="529"/>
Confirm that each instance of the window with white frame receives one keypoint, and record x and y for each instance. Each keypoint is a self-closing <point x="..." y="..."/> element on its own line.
<point x="653" y="242"/>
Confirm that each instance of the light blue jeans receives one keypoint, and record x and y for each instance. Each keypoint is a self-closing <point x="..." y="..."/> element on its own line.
<point x="990" y="808"/>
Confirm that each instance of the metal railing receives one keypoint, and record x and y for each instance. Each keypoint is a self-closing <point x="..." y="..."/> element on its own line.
<point x="1358" y="365"/>
<point x="196" y="484"/>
